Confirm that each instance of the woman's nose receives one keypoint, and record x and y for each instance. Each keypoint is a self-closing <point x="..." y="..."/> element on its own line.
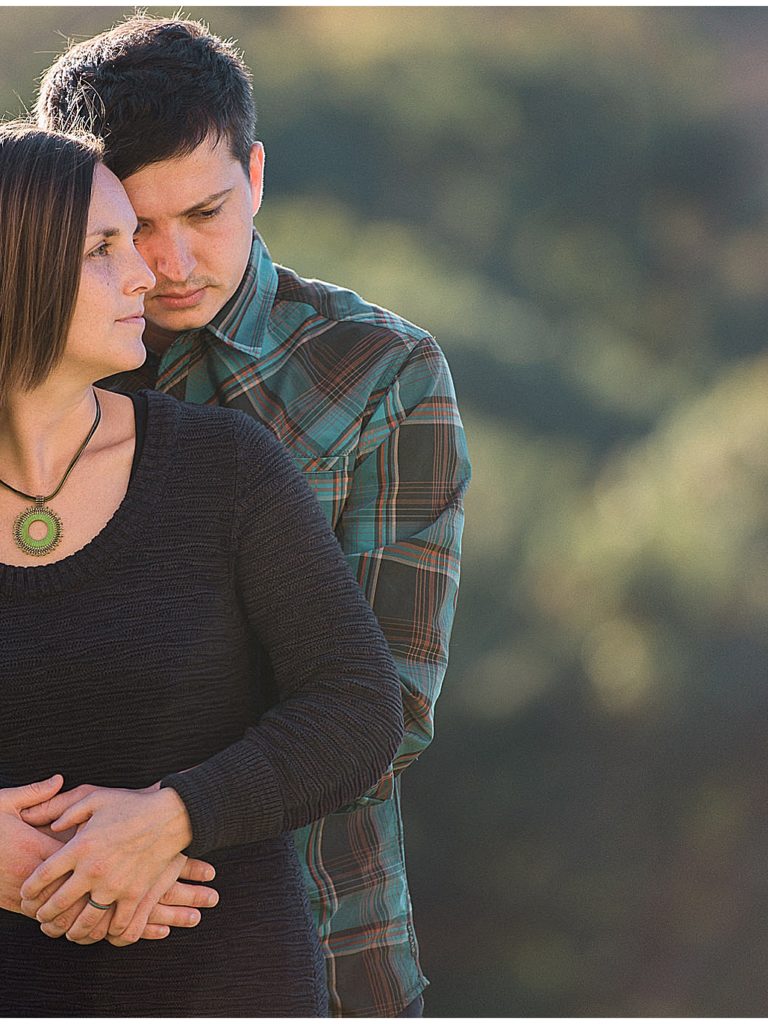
<point x="142" y="278"/>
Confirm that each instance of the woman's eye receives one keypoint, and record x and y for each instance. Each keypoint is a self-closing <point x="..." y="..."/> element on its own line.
<point x="101" y="250"/>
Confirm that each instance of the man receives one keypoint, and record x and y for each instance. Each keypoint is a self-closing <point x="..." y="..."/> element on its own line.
<point x="362" y="399"/>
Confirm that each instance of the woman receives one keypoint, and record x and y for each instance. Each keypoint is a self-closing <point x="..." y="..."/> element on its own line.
<point x="180" y="636"/>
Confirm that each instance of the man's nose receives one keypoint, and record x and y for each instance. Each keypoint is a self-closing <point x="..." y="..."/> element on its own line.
<point x="170" y="258"/>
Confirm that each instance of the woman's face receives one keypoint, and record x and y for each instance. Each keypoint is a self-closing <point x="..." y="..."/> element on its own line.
<point x="105" y="334"/>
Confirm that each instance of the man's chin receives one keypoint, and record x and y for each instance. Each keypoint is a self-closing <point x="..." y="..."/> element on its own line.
<point x="177" y="321"/>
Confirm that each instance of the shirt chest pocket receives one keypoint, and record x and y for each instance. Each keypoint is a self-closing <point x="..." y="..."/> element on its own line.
<point x="330" y="477"/>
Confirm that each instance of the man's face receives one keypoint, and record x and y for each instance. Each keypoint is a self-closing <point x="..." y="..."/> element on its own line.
<point x="195" y="216"/>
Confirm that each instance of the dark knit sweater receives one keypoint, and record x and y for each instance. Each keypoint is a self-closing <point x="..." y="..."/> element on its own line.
<point x="212" y="625"/>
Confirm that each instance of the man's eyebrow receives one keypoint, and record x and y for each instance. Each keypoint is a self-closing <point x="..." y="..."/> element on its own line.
<point x="206" y="202"/>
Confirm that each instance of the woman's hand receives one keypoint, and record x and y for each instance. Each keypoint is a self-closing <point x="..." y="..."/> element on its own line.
<point x="22" y="848"/>
<point x="43" y="812"/>
<point x="126" y="843"/>
<point x="172" y="905"/>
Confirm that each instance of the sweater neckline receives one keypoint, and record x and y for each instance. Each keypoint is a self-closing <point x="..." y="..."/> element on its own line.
<point x="133" y="518"/>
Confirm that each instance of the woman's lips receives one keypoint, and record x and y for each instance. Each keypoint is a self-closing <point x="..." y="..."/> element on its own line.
<point x="180" y="301"/>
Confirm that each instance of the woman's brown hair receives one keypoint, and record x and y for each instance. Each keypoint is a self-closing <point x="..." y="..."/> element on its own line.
<point x="45" y="192"/>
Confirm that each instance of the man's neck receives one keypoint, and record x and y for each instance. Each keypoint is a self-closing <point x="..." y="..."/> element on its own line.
<point x="158" y="339"/>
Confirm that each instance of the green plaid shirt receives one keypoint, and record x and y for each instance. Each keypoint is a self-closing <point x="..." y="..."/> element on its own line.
<point x="365" y="403"/>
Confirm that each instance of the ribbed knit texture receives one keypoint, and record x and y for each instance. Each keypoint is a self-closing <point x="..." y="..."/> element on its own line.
<point x="142" y="656"/>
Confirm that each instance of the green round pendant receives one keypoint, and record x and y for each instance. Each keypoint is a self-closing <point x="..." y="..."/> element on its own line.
<point x="37" y="514"/>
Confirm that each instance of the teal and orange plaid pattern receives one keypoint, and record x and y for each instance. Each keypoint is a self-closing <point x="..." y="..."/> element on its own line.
<point x="365" y="403"/>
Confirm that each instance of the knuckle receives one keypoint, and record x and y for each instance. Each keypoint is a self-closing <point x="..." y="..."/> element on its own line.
<point x="156" y="915"/>
<point x="29" y="890"/>
<point x="56" y="907"/>
<point x="97" y="867"/>
<point x="172" y="894"/>
<point x="84" y="846"/>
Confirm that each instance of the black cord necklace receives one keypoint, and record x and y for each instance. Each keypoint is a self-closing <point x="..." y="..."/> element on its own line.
<point x="40" y="513"/>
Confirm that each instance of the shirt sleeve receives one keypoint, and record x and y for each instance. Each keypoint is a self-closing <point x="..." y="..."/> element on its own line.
<point x="401" y="532"/>
<point x="338" y="717"/>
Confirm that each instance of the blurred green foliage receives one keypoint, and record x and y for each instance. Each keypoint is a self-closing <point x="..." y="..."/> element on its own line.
<point x="575" y="201"/>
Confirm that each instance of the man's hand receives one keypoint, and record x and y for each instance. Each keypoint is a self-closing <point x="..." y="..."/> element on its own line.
<point x="126" y="846"/>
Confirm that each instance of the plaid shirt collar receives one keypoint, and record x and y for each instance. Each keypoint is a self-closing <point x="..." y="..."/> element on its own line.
<point x="243" y="323"/>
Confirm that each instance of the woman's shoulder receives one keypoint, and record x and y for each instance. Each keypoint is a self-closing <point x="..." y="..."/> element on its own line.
<point x="211" y="420"/>
<point x="218" y="433"/>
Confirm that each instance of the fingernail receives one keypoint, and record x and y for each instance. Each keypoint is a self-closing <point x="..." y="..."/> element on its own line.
<point x="210" y="874"/>
<point x="193" y="917"/>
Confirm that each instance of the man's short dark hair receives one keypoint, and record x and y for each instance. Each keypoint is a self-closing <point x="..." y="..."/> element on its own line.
<point x="151" y="89"/>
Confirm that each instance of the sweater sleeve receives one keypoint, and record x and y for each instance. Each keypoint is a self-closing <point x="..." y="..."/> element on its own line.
<point x="338" y="720"/>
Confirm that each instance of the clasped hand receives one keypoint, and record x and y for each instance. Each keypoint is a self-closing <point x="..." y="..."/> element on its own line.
<point x="125" y="853"/>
